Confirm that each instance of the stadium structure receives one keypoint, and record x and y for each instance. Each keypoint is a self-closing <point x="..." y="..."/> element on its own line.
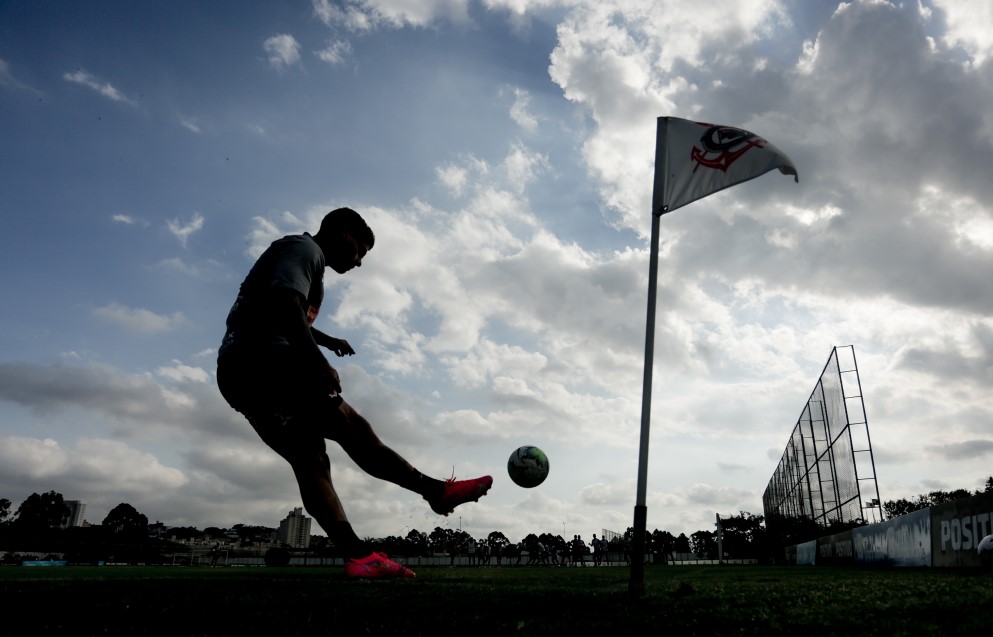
<point x="827" y="473"/>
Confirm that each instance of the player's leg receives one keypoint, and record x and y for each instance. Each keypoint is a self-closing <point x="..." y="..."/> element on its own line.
<point x="321" y="501"/>
<point x="360" y="442"/>
<point x="312" y="469"/>
<point x="267" y="390"/>
<point x="356" y="436"/>
<point x="319" y="496"/>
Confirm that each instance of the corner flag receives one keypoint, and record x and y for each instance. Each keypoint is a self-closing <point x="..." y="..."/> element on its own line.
<point x="692" y="160"/>
<point x="699" y="159"/>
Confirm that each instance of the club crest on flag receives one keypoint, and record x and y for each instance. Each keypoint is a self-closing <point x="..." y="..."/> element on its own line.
<point x="722" y="145"/>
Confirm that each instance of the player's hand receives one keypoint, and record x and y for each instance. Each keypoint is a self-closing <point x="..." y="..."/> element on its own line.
<point x="340" y="346"/>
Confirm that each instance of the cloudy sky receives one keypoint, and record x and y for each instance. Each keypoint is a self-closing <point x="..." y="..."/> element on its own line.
<point x="503" y="152"/>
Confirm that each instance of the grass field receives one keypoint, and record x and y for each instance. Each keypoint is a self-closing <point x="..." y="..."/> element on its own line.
<point x="683" y="600"/>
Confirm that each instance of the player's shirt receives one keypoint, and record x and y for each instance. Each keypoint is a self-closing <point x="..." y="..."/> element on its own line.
<point x="294" y="262"/>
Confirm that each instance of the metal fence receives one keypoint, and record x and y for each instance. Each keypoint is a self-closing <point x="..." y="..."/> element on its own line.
<point x="828" y="464"/>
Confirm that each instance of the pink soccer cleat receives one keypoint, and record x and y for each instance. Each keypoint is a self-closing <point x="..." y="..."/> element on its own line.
<point x="376" y="566"/>
<point x="458" y="492"/>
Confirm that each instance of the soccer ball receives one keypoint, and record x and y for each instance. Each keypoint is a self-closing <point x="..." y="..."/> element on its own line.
<point x="985" y="550"/>
<point x="528" y="467"/>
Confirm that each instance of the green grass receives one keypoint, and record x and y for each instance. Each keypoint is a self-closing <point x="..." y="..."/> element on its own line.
<point x="702" y="600"/>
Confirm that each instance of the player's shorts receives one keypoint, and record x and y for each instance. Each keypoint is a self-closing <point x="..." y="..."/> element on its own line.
<point x="286" y="408"/>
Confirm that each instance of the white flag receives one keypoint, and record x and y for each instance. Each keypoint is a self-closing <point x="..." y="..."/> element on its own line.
<point x="694" y="159"/>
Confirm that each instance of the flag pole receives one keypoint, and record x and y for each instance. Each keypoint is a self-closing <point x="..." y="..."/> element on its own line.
<point x="723" y="146"/>
<point x="637" y="583"/>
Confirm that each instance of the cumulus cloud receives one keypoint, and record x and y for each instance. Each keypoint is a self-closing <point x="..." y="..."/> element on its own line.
<point x="282" y="51"/>
<point x="364" y="15"/>
<point x="456" y="177"/>
<point x="967" y="22"/>
<point x="104" y="473"/>
<point x="519" y="111"/>
<point x="137" y="411"/>
<point x="124" y="397"/>
<point x="179" y="372"/>
<point x="140" y="319"/>
<point x="620" y="73"/>
<point x="524" y="166"/>
<point x="335" y="52"/>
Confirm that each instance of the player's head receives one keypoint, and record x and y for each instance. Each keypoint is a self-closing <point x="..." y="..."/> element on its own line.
<point x="345" y="238"/>
<point x="347" y="220"/>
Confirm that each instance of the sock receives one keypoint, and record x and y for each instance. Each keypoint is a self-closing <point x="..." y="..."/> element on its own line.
<point x="429" y="487"/>
<point x="348" y="543"/>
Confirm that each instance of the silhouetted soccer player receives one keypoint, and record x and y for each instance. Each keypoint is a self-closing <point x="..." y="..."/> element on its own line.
<point x="270" y="369"/>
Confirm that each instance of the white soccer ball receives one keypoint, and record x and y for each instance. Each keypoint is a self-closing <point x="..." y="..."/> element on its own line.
<point x="528" y="466"/>
<point x="985" y="550"/>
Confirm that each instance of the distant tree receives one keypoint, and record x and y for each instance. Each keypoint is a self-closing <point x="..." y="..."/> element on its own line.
<point x="896" y="508"/>
<point x="989" y="486"/>
<point x="440" y="539"/>
<point x="660" y="544"/>
<point x="704" y="544"/>
<point x="497" y="540"/>
<point x="941" y="497"/>
<point x="414" y="543"/>
<point x="682" y="544"/>
<point x="5" y="509"/>
<point x="39" y="512"/>
<point x="391" y="545"/>
<point x="124" y="521"/>
<point x="903" y="506"/>
<point x="417" y="543"/>
<point x="530" y="541"/>
<point x="654" y="541"/>
<point x="744" y="535"/>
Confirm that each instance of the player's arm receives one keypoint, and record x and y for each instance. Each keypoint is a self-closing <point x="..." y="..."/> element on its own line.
<point x="337" y="345"/>
<point x="290" y="311"/>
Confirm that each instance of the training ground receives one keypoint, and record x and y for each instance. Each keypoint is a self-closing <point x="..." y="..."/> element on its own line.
<point x="540" y="601"/>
